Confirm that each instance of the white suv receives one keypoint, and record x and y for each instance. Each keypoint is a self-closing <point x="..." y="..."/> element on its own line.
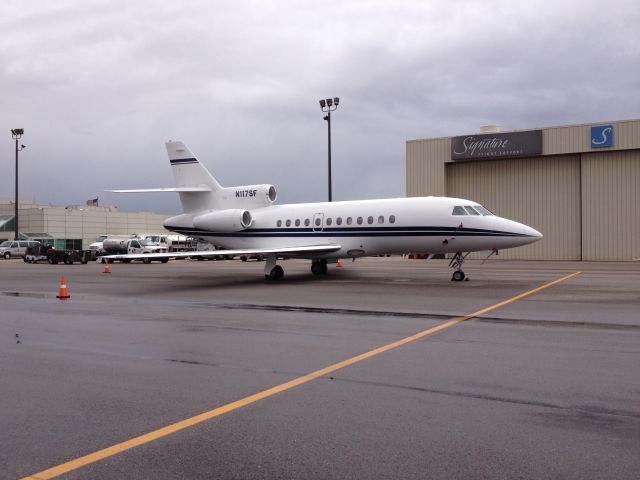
<point x="15" y="248"/>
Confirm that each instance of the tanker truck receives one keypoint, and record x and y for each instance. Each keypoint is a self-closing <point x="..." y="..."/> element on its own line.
<point x="122" y="246"/>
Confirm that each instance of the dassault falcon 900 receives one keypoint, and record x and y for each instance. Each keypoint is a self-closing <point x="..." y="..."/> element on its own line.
<point x="245" y="220"/>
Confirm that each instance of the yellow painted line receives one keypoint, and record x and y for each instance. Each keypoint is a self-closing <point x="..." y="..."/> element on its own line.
<point x="229" y="407"/>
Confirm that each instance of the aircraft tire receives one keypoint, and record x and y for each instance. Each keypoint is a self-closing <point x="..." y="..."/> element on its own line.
<point x="458" y="276"/>
<point x="276" y="273"/>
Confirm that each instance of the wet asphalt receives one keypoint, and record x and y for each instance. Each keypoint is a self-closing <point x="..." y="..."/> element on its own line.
<point x="545" y="387"/>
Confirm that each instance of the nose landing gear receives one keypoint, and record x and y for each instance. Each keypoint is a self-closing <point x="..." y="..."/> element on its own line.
<point x="458" y="276"/>
<point x="456" y="262"/>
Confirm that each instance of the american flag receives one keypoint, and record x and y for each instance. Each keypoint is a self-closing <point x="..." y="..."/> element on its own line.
<point x="93" y="202"/>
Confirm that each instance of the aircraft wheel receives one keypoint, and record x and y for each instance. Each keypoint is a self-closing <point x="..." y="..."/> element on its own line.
<point x="276" y="273"/>
<point x="319" y="267"/>
<point x="146" y="260"/>
<point x="458" y="276"/>
<point x="164" y="260"/>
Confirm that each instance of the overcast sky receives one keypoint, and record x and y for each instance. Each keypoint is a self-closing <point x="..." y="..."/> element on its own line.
<point x="99" y="86"/>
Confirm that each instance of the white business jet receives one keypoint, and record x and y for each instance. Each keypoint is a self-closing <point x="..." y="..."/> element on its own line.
<point x="246" y="221"/>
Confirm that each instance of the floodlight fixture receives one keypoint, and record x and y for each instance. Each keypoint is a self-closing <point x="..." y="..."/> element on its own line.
<point x="17" y="132"/>
<point x="336" y="100"/>
<point x="323" y="103"/>
<point x="329" y="102"/>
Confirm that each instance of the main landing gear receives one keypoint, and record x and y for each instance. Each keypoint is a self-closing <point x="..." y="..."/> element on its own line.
<point x="319" y="267"/>
<point x="456" y="262"/>
<point x="271" y="270"/>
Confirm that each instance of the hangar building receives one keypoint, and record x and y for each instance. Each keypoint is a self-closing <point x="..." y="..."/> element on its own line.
<point x="75" y="226"/>
<point x="577" y="184"/>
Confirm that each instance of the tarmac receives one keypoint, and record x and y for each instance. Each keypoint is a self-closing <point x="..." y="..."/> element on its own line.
<point x="383" y="368"/>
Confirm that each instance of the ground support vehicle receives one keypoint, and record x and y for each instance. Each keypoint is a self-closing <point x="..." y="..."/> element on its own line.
<point x="174" y="243"/>
<point x="68" y="257"/>
<point x="132" y="246"/>
<point x="36" y="253"/>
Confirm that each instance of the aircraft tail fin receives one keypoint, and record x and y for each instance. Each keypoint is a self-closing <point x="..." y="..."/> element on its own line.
<point x="198" y="189"/>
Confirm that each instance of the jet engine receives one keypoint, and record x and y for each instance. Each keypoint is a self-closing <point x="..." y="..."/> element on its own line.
<point x="231" y="220"/>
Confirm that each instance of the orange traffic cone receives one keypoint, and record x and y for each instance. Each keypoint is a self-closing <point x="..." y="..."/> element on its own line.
<point x="106" y="267"/>
<point x="339" y="265"/>
<point x="63" y="294"/>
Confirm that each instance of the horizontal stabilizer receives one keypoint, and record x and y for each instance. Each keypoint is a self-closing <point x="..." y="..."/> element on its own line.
<point x="168" y="189"/>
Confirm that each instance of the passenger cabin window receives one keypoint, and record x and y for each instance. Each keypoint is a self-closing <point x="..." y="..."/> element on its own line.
<point x="317" y="222"/>
<point x="471" y="211"/>
<point x="329" y="221"/>
<point x="306" y="222"/>
<point x="339" y="221"/>
<point x="297" y="222"/>
<point x="458" y="210"/>
<point x="279" y="223"/>
<point x="359" y="220"/>
<point x="370" y="220"/>
<point x="380" y="219"/>
<point x="348" y="220"/>
<point x="288" y="223"/>
<point x="392" y="219"/>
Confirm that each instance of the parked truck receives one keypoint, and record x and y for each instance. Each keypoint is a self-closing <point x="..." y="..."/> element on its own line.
<point x="42" y="253"/>
<point x="123" y="246"/>
<point x="174" y="243"/>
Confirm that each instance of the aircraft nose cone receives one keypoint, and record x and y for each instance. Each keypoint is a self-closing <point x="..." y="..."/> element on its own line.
<point x="532" y="232"/>
<point x="528" y="234"/>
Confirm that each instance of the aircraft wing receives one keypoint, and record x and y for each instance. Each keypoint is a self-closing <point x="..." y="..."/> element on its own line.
<point x="303" y="252"/>
<point x="167" y="189"/>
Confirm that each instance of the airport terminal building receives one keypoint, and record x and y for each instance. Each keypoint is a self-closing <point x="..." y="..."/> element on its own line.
<point x="577" y="184"/>
<point x="75" y="226"/>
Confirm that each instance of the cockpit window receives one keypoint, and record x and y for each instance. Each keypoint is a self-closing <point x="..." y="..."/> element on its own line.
<point x="458" y="210"/>
<point x="471" y="211"/>
<point x="483" y="211"/>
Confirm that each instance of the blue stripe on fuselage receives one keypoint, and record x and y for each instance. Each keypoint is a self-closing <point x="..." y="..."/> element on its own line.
<point x="350" y="232"/>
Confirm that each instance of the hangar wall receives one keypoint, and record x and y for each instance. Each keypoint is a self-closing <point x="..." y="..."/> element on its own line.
<point x="583" y="199"/>
<point x="611" y="205"/>
<point x="543" y="194"/>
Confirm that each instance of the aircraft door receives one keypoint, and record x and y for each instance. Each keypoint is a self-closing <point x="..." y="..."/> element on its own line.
<point x="318" y="222"/>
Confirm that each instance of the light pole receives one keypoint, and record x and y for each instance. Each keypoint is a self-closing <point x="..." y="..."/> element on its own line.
<point x="328" y="106"/>
<point x="16" y="134"/>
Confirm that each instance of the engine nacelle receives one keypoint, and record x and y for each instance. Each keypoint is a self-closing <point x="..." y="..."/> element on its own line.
<point x="251" y="195"/>
<point x="231" y="220"/>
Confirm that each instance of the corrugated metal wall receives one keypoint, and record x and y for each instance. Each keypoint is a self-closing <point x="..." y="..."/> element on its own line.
<point x="611" y="205"/>
<point x="577" y="138"/>
<point x="541" y="192"/>
<point x="425" y="166"/>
